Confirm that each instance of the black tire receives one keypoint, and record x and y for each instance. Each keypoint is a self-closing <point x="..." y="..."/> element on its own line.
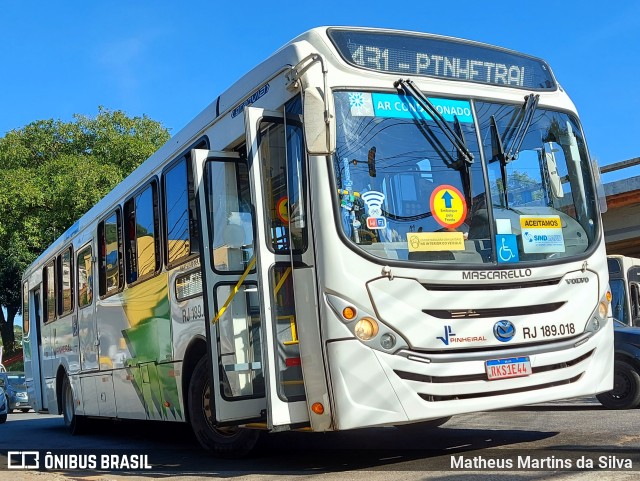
<point x="224" y="442"/>
<point x="3" y="418"/>
<point x="74" y="423"/>
<point x="424" y="425"/>
<point x="626" y="388"/>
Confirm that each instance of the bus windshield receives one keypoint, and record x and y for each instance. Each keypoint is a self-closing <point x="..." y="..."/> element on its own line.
<point x="407" y="193"/>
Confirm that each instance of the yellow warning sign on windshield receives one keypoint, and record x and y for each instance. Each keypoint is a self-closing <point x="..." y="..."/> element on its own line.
<point x="282" y="209"/>
<point x="435" y="241"/>
<point x="448" y="206"/>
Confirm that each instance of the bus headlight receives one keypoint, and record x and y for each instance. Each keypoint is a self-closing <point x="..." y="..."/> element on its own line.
<point x="603" y="308"/>
<point x="366" y="328"/>
<point x="600" y="315"/>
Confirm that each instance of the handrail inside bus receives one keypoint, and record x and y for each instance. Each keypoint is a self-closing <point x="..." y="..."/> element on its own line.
<point x="236" y="288"/>
<point x="233" y="293"/>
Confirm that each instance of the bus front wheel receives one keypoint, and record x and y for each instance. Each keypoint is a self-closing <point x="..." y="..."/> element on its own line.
<point x="226" y="442"/>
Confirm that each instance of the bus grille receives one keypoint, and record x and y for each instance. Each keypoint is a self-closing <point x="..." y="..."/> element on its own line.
<point x="432" y="398"/>
<point x="494" y="312"/>
<point x="492" y="287"/>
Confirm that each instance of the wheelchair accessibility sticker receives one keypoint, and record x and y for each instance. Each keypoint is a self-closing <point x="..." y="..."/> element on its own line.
<point x="507" y="246"/>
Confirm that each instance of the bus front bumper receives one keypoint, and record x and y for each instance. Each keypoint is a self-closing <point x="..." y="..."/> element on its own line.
<point x="373" y="388"/>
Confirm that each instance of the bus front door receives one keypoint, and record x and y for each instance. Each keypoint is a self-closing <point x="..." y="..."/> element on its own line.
<point x="257" y="374"/>
<point x="276" y="159"/>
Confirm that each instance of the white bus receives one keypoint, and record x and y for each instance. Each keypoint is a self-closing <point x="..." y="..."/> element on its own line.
<point x="624" y="279"/>
<point x="370" y="228"/>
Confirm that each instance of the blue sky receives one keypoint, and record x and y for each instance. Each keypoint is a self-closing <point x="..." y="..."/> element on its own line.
<point x="170" y="59"/>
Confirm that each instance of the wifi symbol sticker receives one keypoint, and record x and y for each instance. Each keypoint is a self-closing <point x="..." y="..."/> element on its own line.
<point x="374" y="201"/>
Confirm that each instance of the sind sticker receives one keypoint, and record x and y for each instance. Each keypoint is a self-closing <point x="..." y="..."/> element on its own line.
<point x="542" y="234"/>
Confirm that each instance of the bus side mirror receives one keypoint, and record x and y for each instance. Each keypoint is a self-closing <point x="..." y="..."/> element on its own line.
<point x="319" y="123"/>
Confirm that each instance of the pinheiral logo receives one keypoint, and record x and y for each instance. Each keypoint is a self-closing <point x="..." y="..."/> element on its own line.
<point x="504" y="330"/>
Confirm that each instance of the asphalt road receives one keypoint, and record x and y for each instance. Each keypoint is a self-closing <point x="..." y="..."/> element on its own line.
<point x="549" y="441"/>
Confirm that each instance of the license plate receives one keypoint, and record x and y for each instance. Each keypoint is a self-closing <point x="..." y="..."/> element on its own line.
<point x="509" y="367"/>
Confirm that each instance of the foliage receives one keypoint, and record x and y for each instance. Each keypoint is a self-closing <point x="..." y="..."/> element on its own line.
<point x="52" y="173"/>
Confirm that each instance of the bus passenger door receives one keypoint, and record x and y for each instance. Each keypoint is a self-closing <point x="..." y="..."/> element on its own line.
<point x="37" y="352"/>
<point x="232" y="302"/>
<point x="272" y="142"/>
<point x="87" y="319"/>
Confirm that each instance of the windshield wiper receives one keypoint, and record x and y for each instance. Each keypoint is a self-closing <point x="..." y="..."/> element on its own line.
<point x="455" y="136"/>
<point x="409" y="88"/>
<point x="516" y="136"/>
<point x="521" y="129"/>
<point x="497" y="151"/>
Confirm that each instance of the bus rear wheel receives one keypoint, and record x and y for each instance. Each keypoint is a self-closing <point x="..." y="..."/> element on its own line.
<point x="225" y="442"/>
<point x="72" y="421"/>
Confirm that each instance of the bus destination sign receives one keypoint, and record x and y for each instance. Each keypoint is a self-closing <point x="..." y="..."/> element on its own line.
<point x="417" y="54"/>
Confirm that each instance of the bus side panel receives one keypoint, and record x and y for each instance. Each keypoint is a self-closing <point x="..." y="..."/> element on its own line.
<point x="134" y="336"/>
<point x="128" y="394"/>
<point x="89" y="393"/>
<point x="187" y="323"/>
<point x="169" y="388"/>
<point x="66" y="344"/>
<point x="98" y="396"/>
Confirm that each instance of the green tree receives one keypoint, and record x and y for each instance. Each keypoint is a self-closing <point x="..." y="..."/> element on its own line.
<point x="51" y="173"/>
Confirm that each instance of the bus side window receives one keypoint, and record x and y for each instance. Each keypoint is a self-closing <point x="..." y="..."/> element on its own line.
<point x="142" y="242"/>
<point x="110" y="269"/>
<point x="181" y="235"/>
<point x="285" y="233"/>
<point x="49" y="280"/>
<point x="85" y="277"/>
<point x="64" y="282"/>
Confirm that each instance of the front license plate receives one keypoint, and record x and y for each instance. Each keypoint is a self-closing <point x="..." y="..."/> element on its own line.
<point x="509" y="367"/>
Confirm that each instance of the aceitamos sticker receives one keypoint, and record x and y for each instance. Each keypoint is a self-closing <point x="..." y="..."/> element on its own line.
<point x="542" y="234"/>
